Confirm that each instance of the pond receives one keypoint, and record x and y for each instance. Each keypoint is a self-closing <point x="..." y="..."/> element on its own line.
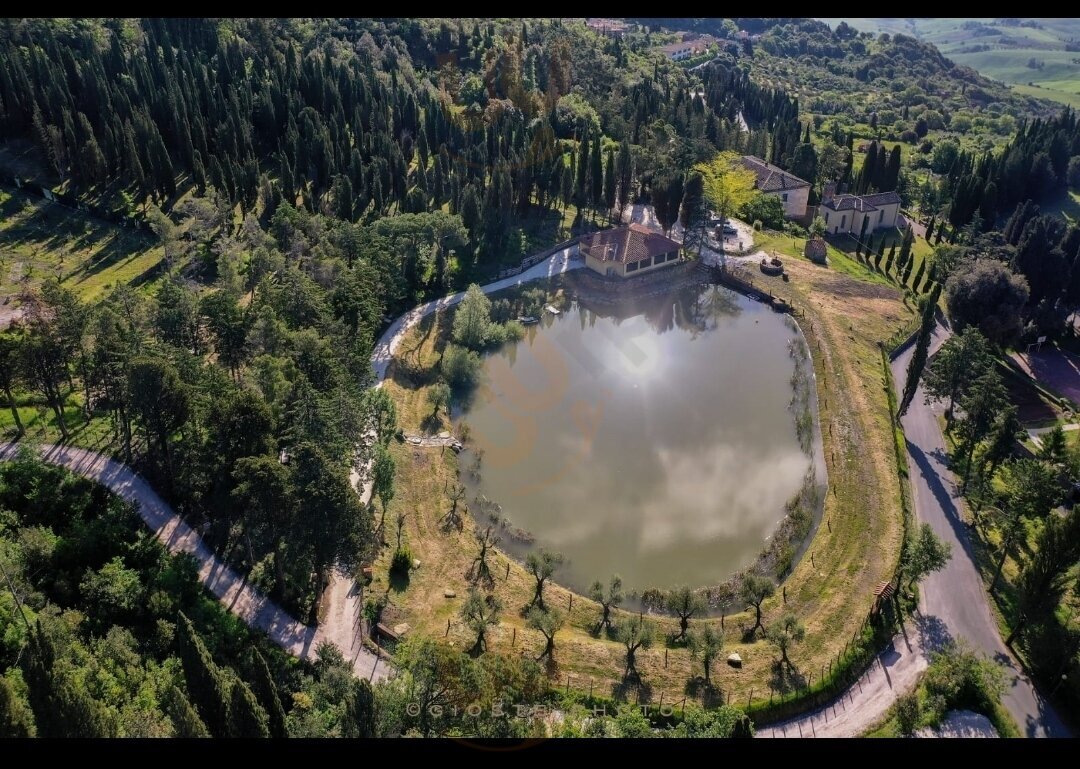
<point x="652" y="438"/>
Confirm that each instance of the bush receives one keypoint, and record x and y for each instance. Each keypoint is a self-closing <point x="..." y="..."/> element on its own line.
<point x="757" y="225"/>
<point x="766" y="209"/>
<point x="373" y="608"/>
<point x="402" y="561"/>
<point x="964" y="679"/>
<point x="513" y="331"/>
<point x="460" y="367"/>
<point x="907" y="713"/>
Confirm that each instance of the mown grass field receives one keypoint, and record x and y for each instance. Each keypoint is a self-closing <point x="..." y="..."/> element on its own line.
<point x="845" y="312"/>
<point x="40" y="241"/>
<point x="1010" y="49"/>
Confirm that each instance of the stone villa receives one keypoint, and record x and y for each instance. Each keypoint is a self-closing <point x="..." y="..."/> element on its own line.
<point x="627" y="251"/>
<point x="845" y="213"/>
<point x="793" y="192"/>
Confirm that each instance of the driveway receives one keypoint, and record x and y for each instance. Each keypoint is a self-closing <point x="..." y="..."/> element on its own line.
<point x="956" y="595"/>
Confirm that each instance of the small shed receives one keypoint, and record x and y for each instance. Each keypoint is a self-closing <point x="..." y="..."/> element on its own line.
<point x="816" y="250"/>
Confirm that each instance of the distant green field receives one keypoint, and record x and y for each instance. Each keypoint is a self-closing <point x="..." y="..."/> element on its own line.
<point x="1071" y="99"/>
<point x="1010" y="48"/>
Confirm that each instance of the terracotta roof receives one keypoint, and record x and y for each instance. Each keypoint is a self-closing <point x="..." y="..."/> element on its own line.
<point x="861" y="202"/>
<point x="882" y="198"/>
<point x="625" y="245"/>
<point x="675" y="47"/>
<point x="769" y="178"/>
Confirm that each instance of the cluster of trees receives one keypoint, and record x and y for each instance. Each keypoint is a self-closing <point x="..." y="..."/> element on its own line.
<point x="104" y="634"/>
<point x="1034" y="166"/>
<point x="246" y="405"/>
<point x="1020" y="282"/>
<point x="264" y="115"/>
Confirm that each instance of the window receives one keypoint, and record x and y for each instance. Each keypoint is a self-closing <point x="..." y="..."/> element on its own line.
<point x="658" y="259"/>
<point x="631" y="267"/>
<point x="783" y="196"/>
<point x="671" y="257"/>
<point x="843" y="221"/>
<point x="826" y="217"/>
<point x="880" y="217"/>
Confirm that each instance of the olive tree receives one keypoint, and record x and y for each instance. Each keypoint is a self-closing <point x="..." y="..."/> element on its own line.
<point x="753" y="592"/>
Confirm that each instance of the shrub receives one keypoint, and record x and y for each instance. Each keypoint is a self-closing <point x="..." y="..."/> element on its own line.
<point x="964" y="679"/>
<point x="460" y="367"/>
<point x="513" y="331"/>
<point x="757" y="225"/>
<point x="907" y="713"/>
<point x="402" y="561"/>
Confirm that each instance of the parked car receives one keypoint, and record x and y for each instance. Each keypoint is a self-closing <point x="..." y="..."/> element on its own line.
<point x="729" y="229"/>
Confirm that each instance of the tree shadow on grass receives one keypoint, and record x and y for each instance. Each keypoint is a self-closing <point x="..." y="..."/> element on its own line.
<point x="784" y="679"/>
<point x="632" y="688"/>
<point x="399" y="580"/>
<point x="710" y="694"/>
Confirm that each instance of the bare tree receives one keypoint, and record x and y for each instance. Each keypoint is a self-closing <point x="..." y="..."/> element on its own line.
<point x="480" y="570"/>
<point x="453" y="518"/>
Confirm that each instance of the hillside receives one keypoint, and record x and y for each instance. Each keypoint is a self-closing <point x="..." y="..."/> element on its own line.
<point x="1041" y="57"/>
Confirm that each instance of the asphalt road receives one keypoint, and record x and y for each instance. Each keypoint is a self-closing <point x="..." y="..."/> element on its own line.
<point x="955" y="595"/>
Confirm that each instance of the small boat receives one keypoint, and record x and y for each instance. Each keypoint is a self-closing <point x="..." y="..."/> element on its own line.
<point x="552" y="310"/>
<point x="527" y="320"/>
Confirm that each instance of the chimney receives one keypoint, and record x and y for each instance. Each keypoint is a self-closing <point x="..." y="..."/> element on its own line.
<point x="829" y="191"/>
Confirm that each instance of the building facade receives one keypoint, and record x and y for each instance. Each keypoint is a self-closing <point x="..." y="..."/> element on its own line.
<point x="792" y="191"/>
<point x="845" y="213"/>
<point x="624" y="252"/>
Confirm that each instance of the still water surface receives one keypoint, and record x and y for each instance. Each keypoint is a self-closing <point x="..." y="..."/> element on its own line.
<point x="651" y="439"/>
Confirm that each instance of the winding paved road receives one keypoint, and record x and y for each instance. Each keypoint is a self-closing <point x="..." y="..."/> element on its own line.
<point x="956" y="595"/>
<point x="953" y="601"/>
<point x="232" y="590"/>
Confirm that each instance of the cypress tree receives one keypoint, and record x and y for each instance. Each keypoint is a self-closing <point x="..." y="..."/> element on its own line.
<point x="186" y="722"/>
<point x="918" y="275"/>
<point x="922" y="348"/>
<point x="596" y="175"/>
<point x="582" y="168"/>
<point x="888" y="264"/>
<point x="907" y="271"/>
<point x="246" y="717"/>
<point x="929" y="229"/>
<point x="905" y="245"/>
<point x="267" y="692"/>
<point x="358" y="718"/>
<point x="206" y="684"/>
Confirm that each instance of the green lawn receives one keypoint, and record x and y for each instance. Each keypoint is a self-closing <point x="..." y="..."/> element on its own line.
<point x="39" y="240"/>
<point x="1051" y="91"/>
<point x="41" y="425"/>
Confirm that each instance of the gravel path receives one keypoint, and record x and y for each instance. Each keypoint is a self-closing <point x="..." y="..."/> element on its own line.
<point x="895" y="672"/>
<point x="232" y="590"/>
